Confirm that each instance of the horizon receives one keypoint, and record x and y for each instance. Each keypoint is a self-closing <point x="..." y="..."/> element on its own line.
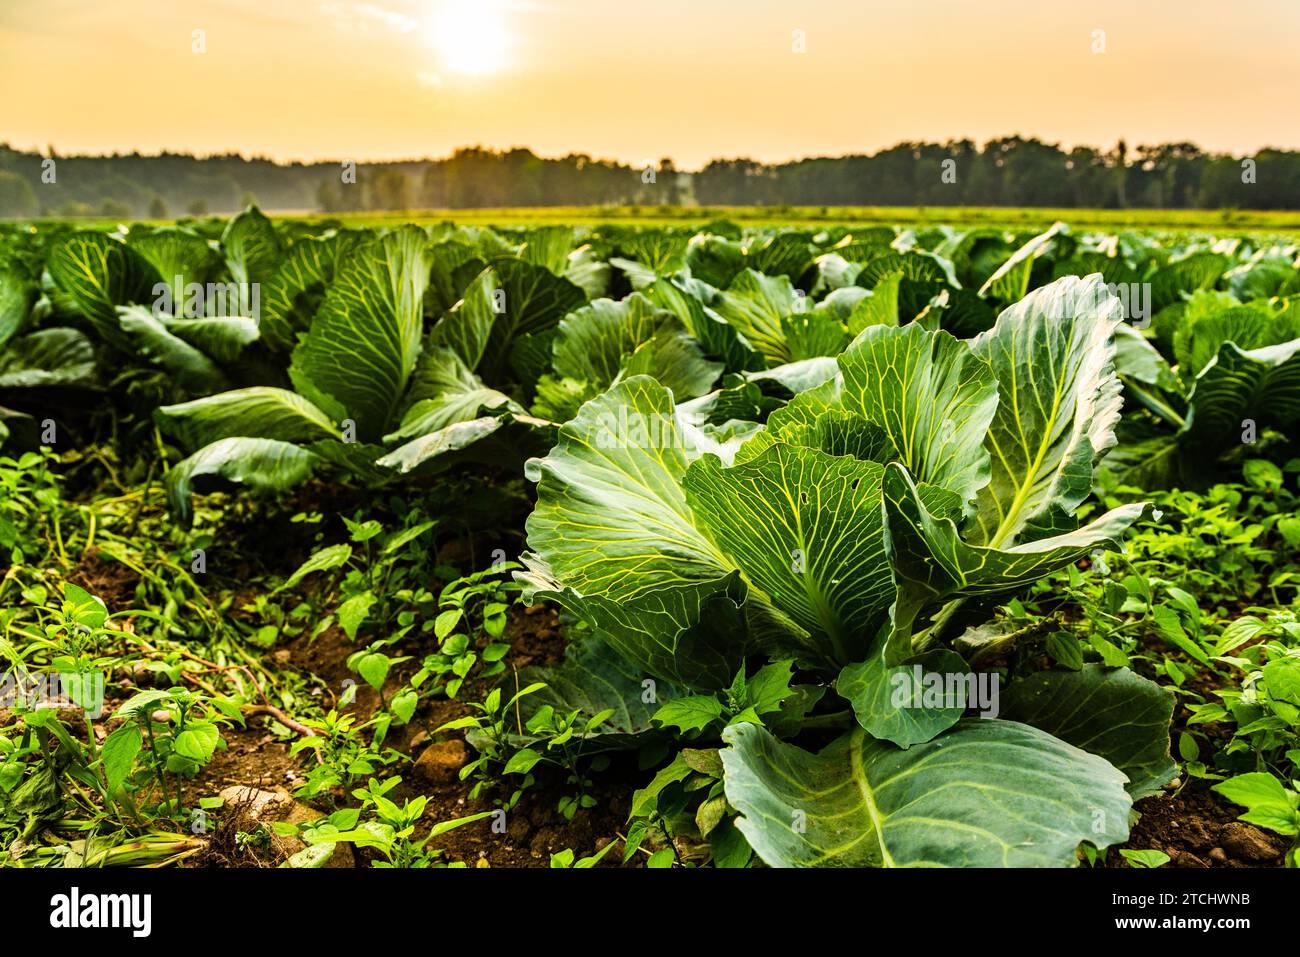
<point x="52" y="149"/>
<point x="319" y="81"/>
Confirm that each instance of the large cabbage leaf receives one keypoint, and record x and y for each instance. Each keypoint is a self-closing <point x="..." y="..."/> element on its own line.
<point x="989" y="793"/>
<point x="355" y="360"/>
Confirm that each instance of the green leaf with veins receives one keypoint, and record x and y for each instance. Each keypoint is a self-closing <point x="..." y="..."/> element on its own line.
<point x="586" y="270"/>
<point x="98" y="274"/>
<point x="806" y="529"/>
<point x="455" y="265"/>
<point x="1261" y="384"/>
<point x="594" y="679"/>
<point x="534" y="300"/>
<point x="1113" y="713"/>
<point x="814" y="419"/>
<point x="717" y="338"/>
<point x="264" y="465"/>
<point x="875" y="688"/>
<point x="220" y="338"/>
<point x="354" y="611"/>
<point x="606" y="339"/>
<point x="325" y="559"/>
<point x="1268" y="803"/>
<point x="691" y="713"/>
<point x="592" y="342"/>
<point x="492" y="438"/>
<point x="879" y="308"/>
<point x="674" y="359"/>
<point x="769" y="687"/>
<point x="1171" y="284"/>
<point x="755" y="306"/>
<point x="548" y="246"/>
<point x="118" y="754"/>
<point x="612" y="517"/>
<point x="813" y="332"/>
<point x="17" y="297"/>
<point x="1137" y="359"/>
<point x="1011" y="280"/>
<point x="53" y="357"/>
<point x="443" y="392"/>
<point x="1058" y="402"/>
<point x="931" y="562"/>
<point x="692" y="633"/>
<point x="295" y="291"/>
<point x="355" y="360"/>
<point x="260" y="412"/>
<point x="179" y="256"/>
<point x="1198" y="339"/>
<point x="188" y="366"/>
<point x="252" y="247"/>
<point x="988" y="793"/>
<point x="930" y="395"/>
<point x="468" y="324"/>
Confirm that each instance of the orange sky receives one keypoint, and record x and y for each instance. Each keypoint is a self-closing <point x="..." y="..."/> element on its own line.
<point x="690" y="79"/>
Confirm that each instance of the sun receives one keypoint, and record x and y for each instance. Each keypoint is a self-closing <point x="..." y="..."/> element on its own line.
<point x="468" y="37"/>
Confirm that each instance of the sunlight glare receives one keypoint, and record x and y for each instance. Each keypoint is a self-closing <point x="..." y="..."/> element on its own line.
<point x="468" y="37"/>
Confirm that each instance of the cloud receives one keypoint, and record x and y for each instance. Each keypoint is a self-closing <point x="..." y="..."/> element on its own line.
<point x="363" y="17"/>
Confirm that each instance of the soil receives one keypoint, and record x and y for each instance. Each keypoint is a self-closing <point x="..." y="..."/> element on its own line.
<point x="526" y="836"/>
<point x="1195" y="829"/>
<point x="110" y="580"/>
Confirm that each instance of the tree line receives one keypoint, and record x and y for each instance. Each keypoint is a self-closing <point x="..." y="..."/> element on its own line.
<point x="1010" y="171"/>
<point x="1014" y="171"/>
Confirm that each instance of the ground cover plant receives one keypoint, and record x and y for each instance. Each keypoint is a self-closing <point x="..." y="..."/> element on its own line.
<point x="425" y="545"/>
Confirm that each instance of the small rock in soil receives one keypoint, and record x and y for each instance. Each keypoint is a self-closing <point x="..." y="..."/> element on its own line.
<point x="258" y="806"/>
<point x="1198" y="835"/>
<point x="1218" y="856"/>
<point x="547" y="840"/>
<point x="518" y="828"/>
<point x="440" y="763"/>
<point x="1246" y="843"/>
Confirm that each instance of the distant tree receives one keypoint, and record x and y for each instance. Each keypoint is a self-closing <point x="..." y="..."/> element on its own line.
<point x="198" y="208"/>
<point x="114" y="209"/>
<point x="670" y="190"/>
<point x="433" y="187"/>
<point x="1089" y="177"/>
<point x="327" y="198"/>
<point x="1119" y="163"/>
<point x="1222" y="188"/>
<point x="157" y="208"/>
<point x="1277" y="180"/>
<point x="392" y="190"/>
<point x="17" y="198"/>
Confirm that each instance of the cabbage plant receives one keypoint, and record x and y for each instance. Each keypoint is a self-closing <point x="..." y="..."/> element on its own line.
<point x="377" y="395"/>
<point x="1233" y="370"/>
<point x="359" y="369"/>
<point x="851" y="536"/>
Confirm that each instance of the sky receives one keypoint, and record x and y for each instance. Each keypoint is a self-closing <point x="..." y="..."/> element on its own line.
<point x="636" y="81"/>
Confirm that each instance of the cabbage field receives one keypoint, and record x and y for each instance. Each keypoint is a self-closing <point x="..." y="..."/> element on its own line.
<point x="666" y="546"/>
